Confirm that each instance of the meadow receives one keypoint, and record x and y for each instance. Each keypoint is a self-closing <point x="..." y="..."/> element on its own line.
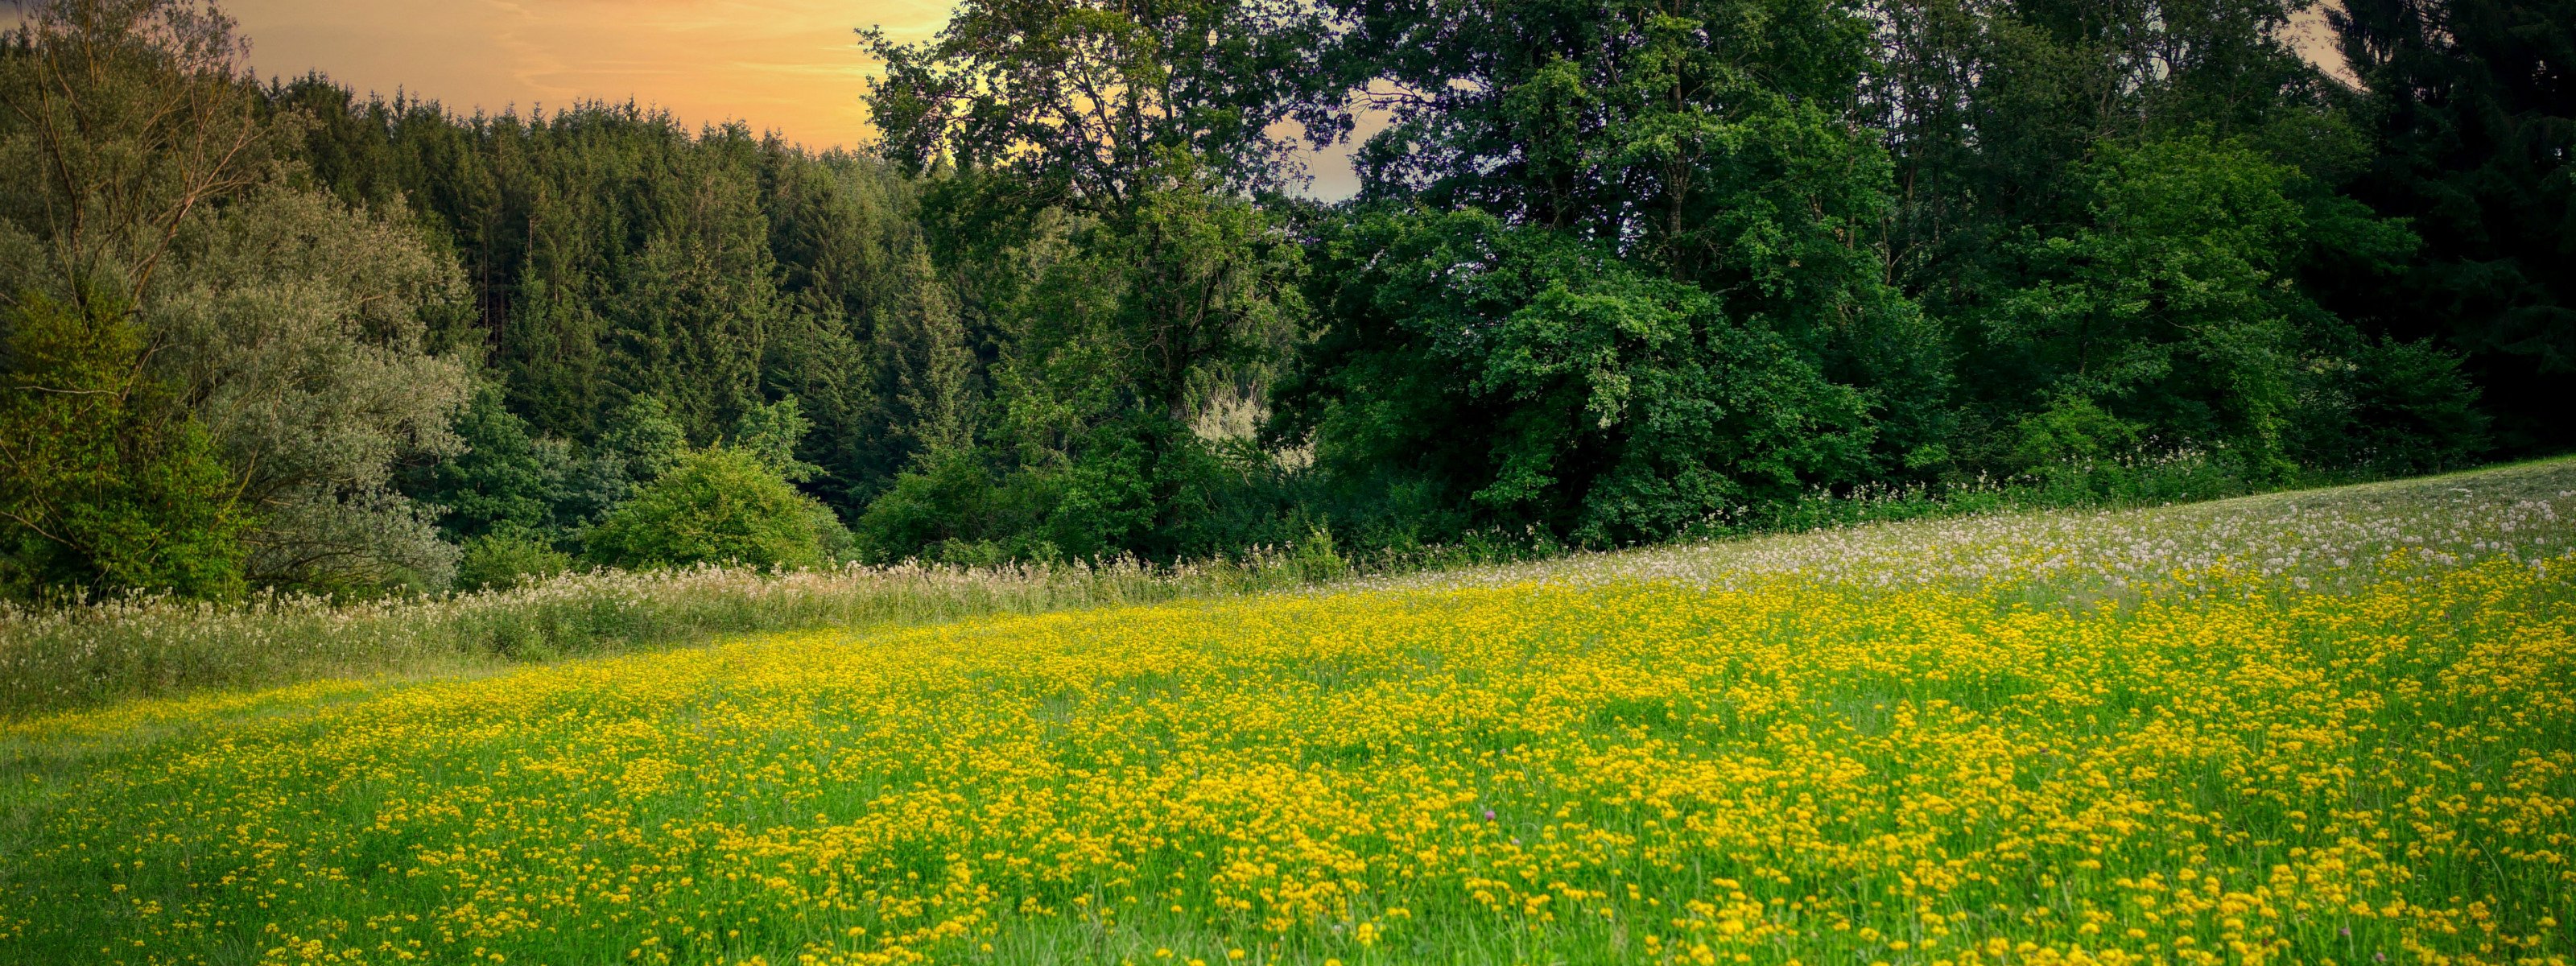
<point x="58" y="658"/>
<point x="2331" y="726"/>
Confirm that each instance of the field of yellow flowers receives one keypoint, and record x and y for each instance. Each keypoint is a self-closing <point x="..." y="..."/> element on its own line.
<point x="2322" y="727"/>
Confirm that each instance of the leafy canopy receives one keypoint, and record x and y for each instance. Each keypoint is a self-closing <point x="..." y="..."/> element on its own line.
<point x="715" y="505"/>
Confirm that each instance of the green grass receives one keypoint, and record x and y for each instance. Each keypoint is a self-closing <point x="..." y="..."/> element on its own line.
<point x="2314" y="726"/>
<point x="55" y="659"/>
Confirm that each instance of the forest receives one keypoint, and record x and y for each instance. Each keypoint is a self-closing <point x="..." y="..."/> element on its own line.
<point x="1616" y="272"/>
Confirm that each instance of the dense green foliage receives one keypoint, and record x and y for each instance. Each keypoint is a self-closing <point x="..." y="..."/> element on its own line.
<point x="507" y="559"/>
<point x="1634" y="262"/>
<point x="2471" y="112"/>
<point x="108" y="485"/>
<point x="714" y="506"/>
<point x="1613" y="274"/>
<point x="253" y="359"/>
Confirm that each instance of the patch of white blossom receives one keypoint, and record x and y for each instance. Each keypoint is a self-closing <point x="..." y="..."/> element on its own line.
<point x="2315" y="541"/>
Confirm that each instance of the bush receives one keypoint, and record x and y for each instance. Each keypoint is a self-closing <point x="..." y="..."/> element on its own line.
<point x="2388" y="407"/>
<point x="2071" y="430"/>
<point x="2144" y="476"/>
<point x="1315" y="559"/>
<point x="107" y="483"/>
<point x="505" y="559"/>
<point x="507" y="479"/>
<point x="948" y="498"/>
<point x="717" y="505"/>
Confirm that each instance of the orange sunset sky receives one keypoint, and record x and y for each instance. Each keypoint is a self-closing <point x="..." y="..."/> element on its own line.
<point x="791" y="65"/>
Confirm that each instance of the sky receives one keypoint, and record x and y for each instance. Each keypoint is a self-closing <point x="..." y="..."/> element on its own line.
<point x="793" y="66"/>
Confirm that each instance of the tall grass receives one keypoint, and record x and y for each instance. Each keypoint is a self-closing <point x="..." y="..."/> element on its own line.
<point x="55" y="658"/>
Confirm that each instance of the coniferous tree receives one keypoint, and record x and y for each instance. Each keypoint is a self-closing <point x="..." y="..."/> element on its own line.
<point x="2471" y="106"/>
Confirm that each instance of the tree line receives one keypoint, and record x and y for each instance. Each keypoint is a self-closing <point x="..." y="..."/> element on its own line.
<point x="1613" y="270"/>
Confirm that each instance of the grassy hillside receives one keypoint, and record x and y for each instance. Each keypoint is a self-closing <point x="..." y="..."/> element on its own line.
<point x="2325" y="726"/>
<point x="54" y="659"/>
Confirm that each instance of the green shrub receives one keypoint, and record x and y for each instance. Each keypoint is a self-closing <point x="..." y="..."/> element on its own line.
<point x="1315" y="559"/>
<point x="839" y="545"/>
<point x="2072" y="430"/>
<point x="505" y="559"/>
<point x="506" y="480"/>
<point x="2389" y="407"/>
<point x="717" y="505"/>
<point x="107" y="483"/>
<point x="947" y="498"/>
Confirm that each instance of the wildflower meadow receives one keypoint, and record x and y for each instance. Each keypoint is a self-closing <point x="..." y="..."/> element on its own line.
<point x="2324" y="727"/>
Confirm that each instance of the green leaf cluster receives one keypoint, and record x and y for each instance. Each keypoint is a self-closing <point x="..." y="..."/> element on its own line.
<point x="714" y="506"/>
<point x="106" y="484"/>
